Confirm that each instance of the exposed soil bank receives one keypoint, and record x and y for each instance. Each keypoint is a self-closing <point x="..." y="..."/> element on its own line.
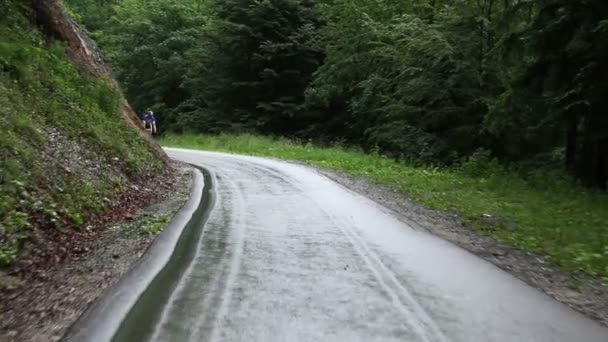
<point x="50" y="299"/>
<point x="582" y="293"/>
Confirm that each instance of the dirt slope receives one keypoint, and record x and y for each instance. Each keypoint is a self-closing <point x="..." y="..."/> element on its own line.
<point x="72" y="152"/>
<point x="56" y="24"/>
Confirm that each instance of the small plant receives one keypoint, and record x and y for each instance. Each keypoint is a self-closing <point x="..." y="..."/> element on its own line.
<point x="8" y="252"/>
<point x="481" y="164"/>
<point x="152" y="225"/>
<point x="77" y="219"/>
<point x="153" y="229"/>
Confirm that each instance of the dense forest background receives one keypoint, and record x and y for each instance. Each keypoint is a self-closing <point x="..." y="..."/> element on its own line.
<point x="427" y="81"/>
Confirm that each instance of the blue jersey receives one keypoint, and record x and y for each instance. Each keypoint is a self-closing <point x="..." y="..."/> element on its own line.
<point x="148" y="118"/>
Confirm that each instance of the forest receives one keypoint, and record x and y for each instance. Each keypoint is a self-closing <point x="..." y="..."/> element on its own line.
<point x="430" y="82"/>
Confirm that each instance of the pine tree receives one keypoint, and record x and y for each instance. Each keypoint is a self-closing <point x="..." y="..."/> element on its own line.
<point x="264" y="54"/>
<point x="571" y="71"/>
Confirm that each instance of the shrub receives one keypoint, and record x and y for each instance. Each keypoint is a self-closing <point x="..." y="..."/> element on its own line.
<point x="481" y="164"/>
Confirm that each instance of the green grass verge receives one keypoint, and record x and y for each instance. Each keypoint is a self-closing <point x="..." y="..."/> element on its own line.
<point x="544" y="213"/>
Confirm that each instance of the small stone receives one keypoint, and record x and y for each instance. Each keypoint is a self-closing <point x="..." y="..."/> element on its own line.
<point x="498" y="253"/>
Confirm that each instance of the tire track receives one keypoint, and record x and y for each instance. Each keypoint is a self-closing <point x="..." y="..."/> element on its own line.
<point x="402" y="298"/>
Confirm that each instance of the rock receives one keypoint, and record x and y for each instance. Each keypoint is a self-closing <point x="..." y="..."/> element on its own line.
<point x="41" y="275"/>
<point x="499" y="253"/>
<point x="9" y="282"/>
<point x="80" y="250"/>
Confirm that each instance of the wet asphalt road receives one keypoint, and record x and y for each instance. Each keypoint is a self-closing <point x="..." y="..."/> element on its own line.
<point x="288" y="255"/>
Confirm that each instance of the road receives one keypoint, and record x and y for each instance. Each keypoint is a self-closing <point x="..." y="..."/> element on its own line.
<point x="288" y="255"/>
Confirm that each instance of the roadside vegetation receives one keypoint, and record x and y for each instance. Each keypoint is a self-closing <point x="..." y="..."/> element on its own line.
<point x="542" y="211"/>
<point x="65" y="153"/>
<point x="430" y="81"/>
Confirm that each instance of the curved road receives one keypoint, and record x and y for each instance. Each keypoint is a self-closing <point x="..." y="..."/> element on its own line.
<point x="288" y="255"/>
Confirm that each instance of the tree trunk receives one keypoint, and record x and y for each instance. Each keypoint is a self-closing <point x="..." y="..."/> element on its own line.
<point x="571" y="141"/>
<point x="602" y="164"/>
<point x="56" y="24"/>
<point x="592" y="164"/>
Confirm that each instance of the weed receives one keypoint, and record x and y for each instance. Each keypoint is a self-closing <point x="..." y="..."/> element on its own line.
<point x="8" y="252"/>
<point x="152" y="225"/>
<point x="77" y="219"/>
<point x="153" y="229"/>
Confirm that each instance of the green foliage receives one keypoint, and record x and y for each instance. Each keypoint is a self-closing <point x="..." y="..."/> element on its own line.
<point x="570" y="41"/>
<point x="430" y="81"/>
<point x="180" y="57"/>
<point x="565" y="222"/>
<point x="41" y="92"/>
<point x="8" y="253"/>
<point x="12" y="231"/>
<point x="94" y="14"/>
<point x="263" y="54"/>
<point x="152" y="225"/>
<point x="149" y="44"/>
<point x="417" y="73"/>
<point x="481" y="164"/>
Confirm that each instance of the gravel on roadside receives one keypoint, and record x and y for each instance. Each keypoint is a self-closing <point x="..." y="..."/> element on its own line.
<point x="48" y="301"/>
<point x="584" y="294"/>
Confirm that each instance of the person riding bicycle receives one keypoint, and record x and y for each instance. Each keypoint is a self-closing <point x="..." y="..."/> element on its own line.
<point x="149" y="121"/>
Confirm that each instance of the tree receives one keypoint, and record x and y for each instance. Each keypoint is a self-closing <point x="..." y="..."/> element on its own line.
<point x="93" y="14"/>
<point x="148" y="43"/>
<point x="258" y="60"/>
<point x="430" y="81"/>
<point x="570" y="71"/>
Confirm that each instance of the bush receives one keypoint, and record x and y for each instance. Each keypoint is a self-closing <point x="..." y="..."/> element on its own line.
<point x="405" y="142"/>
<point x="481" y="164"/>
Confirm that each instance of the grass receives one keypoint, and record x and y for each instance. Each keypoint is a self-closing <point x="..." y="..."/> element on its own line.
<point x="544" y="213"/>
<point x="154" y="224"/>
<point x="41" y="89"/>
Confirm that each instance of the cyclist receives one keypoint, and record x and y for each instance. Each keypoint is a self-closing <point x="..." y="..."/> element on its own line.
<point x="149" y="121"/>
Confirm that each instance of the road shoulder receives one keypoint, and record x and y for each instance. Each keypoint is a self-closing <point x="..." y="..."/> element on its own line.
<point x="49" y="301"/>
<point x="584" y="294"/>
